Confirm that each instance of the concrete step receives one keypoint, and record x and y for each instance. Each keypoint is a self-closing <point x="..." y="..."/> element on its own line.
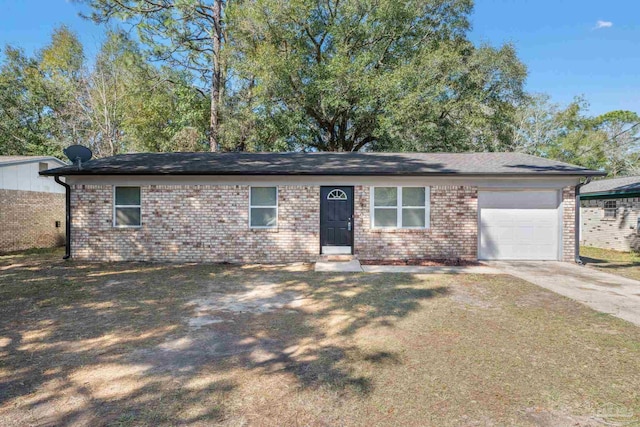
<point x="337" y="258"/>
<point x="352" y="266"/>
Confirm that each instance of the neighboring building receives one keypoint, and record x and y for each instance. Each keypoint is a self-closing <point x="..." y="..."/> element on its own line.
<point x="32" y="208"/>
<point x="284" y="207"/>
<point x="609" y="211"/>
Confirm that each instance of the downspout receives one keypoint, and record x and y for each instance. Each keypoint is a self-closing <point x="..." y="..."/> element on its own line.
<point x="577" y="219"/>
<point x="67" y="250"/>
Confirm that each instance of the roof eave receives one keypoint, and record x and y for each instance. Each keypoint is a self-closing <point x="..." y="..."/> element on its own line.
<point x="33" y="160"/>
<point x="53" y="172"/>
<point x="612" y="193"/>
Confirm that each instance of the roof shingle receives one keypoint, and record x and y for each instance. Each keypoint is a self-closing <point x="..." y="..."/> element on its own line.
<point x="613" y="185"/>
<point x="408" y="164"/>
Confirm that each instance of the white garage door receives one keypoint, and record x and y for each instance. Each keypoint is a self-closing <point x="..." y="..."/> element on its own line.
<point x="520" y="225"/>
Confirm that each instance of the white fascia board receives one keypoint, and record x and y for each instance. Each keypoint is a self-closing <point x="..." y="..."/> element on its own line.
<point x="267" y="180"/>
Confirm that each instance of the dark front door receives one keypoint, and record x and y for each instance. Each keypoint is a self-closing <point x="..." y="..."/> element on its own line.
<point x="336" y="216"/>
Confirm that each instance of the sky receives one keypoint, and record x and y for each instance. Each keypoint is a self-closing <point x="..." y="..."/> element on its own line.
<point x="570" y="47"/>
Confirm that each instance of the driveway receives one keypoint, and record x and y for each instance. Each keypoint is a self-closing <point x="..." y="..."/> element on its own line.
<point x="608" y="293"/>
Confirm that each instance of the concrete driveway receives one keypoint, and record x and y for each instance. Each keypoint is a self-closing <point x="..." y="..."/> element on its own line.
<point x="604" y="292"/>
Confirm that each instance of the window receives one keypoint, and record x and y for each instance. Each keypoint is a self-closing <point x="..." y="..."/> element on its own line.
<point x="126" y="207"/>
<point x="400" y="207"/>
<point x="610" y="209"/>
<point x="337" y="195"/>
<point x="43" y="166"/>
<point x="263" y="207"/>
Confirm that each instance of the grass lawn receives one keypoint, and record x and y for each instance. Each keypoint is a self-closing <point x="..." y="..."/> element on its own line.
<point x="625" y="264"/>
<point x="160" y="344"/>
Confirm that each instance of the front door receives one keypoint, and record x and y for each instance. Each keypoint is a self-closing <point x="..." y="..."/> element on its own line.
<point x="336" y="220"/>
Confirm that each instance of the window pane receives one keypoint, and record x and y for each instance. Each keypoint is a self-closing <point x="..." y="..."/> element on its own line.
<point x="264" y="217"/>
<point x="412" y="217"/>
<point x="385" y="217"/>
<point x="263" y="196"/>
<point x="413" y="196"/>
<point x="127" y="216"/>
<point x="127" y="195"/>
<point x="385" y="196"/>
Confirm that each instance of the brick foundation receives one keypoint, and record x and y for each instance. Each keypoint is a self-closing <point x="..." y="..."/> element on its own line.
<point x="29" y="218"/>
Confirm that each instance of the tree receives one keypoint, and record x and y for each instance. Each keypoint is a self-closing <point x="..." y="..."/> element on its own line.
<point x="23" y="124"/>
<point x="188" y="34"/>
<point x="607" y="142"/>
<point x="37" y="96"/>
<point x="377" y="75"/>
<point x="61" y="63"/>
<point x="621" y="146"/>
<point x="132" y="105"/>
<point x="120" y="103"/>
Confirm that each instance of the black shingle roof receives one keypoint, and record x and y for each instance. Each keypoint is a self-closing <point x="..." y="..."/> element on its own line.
<point x="407" y="164"/>
<point x="627" y="184"/>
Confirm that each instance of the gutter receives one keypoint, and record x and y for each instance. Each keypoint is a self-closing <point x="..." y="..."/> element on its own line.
<point x="577" y="221"/>
<point x="611" y="194"/>
<point x="67" y="249"/>
<point x="257" y="172"/>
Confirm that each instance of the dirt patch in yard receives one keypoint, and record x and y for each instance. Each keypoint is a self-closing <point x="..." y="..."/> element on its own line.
<point x="130" y="344"/>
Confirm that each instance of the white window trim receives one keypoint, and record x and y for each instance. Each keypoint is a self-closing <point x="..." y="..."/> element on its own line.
<point x="276" y="206"/>
<point x="399" y="207"/>
<point x="126" y="206"/>
<point x="614" y="210"/>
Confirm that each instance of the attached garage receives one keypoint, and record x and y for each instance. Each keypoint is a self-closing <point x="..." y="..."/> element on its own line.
<point x="519" y="225"/>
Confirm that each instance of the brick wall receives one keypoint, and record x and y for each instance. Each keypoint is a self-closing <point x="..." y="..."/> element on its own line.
<point x="453" y="232"/>
<point x="206" y="223"/>
<point x="568" y="224"/>
<point x="195" y="223"/>
<point x="28" y="220"/>
<point x="616" y="233"/>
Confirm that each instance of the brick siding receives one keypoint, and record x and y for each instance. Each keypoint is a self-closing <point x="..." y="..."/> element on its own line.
<point x="453" y="232"/>
<point x="568" y="224"/>
<point x="195" y="223"/>
<point x="618" y="233"/>
<point x="206" y="223"/>
<point x="28" y="220"/>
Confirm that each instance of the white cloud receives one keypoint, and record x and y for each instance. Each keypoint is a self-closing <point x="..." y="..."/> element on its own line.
<point x="603" y="24"/>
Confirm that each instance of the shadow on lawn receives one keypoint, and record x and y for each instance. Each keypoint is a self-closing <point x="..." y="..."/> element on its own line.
<point x="588" y="260"/>
<point x="112" y="343"/>
<point x="608" y="264"/>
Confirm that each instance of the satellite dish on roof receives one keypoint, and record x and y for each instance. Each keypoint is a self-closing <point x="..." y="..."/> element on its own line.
<point x="78" y="154"/>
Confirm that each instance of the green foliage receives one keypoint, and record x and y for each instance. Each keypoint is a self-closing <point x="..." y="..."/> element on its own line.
<point x="378" y="75"/>
<point x="121" y="103"/>
<point x="275" y="75"/>
<point x="186" y="34"/>
<point x="608" y="142"/>
<point x="24" y="124"/>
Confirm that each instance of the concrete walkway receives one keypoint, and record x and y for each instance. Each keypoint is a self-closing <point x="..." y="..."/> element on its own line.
<point x="354" y="266"/>
<point x="601" y="291"/>
<point x="474" y="269"/>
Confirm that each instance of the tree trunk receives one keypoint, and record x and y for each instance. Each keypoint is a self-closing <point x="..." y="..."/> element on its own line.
<point x="216" y="84"/>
